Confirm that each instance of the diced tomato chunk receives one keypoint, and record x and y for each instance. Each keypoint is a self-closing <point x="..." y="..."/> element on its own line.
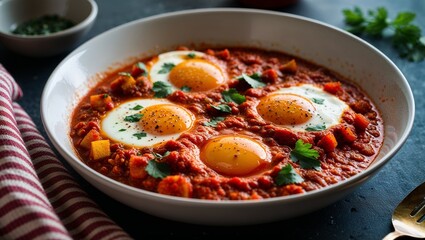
<point x="360" y="122"/>
<point x="270" y="76"/>
<point x="175" y="185"/>
<point x="223" y="54"/>
<point x="332" y="87"/>
<point x="347" y="134"/>
<point x="92" y="135"/>
<point x="328" y="142"/>
<point x="137" y="166"/>
<point x="101" y="102"/>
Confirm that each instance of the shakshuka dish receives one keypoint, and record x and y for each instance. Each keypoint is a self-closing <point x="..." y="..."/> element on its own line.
<point x="226" y="124"/>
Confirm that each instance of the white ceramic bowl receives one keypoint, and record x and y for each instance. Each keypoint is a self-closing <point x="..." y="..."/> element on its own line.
<point x="306" y="38"/>
<point x="12" y="12"/>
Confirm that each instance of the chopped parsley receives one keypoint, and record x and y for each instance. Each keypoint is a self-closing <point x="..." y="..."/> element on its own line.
<point x="232" y="95"/>
<point x="406" y="37"/>
<point x="133" y="118"/>
<point x="253" y="80"/>
<point x="318" y="100"/>
<point x="185" y="89"/>
<point x="122" y="130"/>
<point x="306" y="156"/>
<point x="162" y="89"/>
<point x="142" y="67"/>
<point x="316" y="128"/>
<point x="43" y="25"/>
<point x="157" y="169"/>
<point x="166" y="68"/>
<point x="140" y="135"/>
<point x="191" y="55"/>
<point x="213" y="122"/>
<point x="287" y="175"/>
<point x="222" y="108"/>
<point x="137" y="107"/>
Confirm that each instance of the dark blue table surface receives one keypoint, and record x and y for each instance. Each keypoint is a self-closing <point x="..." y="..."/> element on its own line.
<point x="363" y="214"/>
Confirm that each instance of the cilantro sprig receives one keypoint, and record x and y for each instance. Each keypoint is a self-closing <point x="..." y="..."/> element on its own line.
<point x="232" y="95"/>
<point x="213" y="122"/>
<point x="133" y="118"/>
<point x="162" y="89"/>
<point x="158" y="169"/>
<point x="253" y="80"/>
<point x="306" y="156"/>
<point x="406" y="37"/>
<point x="287" y="175"/>
<point x="166" y="68"/>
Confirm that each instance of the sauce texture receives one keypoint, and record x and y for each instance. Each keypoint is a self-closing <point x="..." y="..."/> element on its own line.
<point x="254" y="124"/>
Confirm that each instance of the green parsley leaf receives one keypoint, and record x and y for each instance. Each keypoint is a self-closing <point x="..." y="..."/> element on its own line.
<point x="140" y="135"/>
<point x="406" y="37"/>
<point x="137" y="107"/>
<point x="316" y="128"/>
<point x="142" y="67"/>
<point x="162" y="89"/>
<point x="214" y="121"/>
<point x="377" y="22"/>
<point x="223" y="108"/>
<point x="157" y="169"/>
<point x="191" y="55"/>
<point x="166" y="68"/>
<point x="253" y="80"/>
<point x="105" y="95"/>
<point x="233" y="96"/>
<point x="318" y="100"/>
<point x="122" y="130"/>
<point x="306" y="156"/>
<point x="185" y="89"/>
<point x="288" y="175"/>
<point x="159" y="156"/>
<point x="133" y="118"/>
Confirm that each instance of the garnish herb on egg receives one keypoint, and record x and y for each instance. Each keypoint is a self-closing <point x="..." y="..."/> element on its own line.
<point x="185" y="89"/>
<point x="232" y="95"/>
<point x="306" y="156"/>
<point x="318" y="100"/>
<point x="316" y="128"/>
<point x="253" y="80"/>
<point x="287" y="175"/>
<point x="222" y="108"/>
<point x="137" y="107"/>
<point x="214" y="121"/>
<point x="166" y="68"/>
<point x="162" y="89"/>
<point x="133" y="118"/>
<point x="191" y="55"/>
<point x="122" y="130"/>
<point x="140" y="135"/>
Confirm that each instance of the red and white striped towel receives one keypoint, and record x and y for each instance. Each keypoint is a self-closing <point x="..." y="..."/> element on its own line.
<point x="39" y="199"/>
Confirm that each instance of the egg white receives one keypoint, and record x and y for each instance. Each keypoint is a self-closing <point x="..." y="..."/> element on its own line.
<point x="329" y="108"/>
<point x="114" y="126"/>
<point x="173" y="57"/>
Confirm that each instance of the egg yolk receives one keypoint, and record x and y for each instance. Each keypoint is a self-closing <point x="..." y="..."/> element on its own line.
<point x="197" y="74"/>
<point x="286" y="109"/>
<point x="233" y="155"/>
<point x="164" y="119"/>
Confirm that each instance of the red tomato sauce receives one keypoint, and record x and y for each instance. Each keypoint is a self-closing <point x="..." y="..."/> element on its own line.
<point x="342" y="150"/>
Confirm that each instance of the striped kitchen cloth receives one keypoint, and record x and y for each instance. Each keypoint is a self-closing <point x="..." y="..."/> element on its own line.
<point x="39" y="199"/>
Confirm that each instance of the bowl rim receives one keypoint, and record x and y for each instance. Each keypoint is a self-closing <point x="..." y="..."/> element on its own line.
<point x="69" y="31"/>
<point x="339" y="186"/>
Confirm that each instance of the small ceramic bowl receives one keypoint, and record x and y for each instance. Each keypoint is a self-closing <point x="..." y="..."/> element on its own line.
<point x="14" y="12"/>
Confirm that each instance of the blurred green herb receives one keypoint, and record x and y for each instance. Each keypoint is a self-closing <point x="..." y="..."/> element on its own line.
<point x="406" y="37"/>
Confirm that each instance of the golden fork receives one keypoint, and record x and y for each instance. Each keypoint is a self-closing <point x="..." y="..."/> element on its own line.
<point x="409" y="216"/>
